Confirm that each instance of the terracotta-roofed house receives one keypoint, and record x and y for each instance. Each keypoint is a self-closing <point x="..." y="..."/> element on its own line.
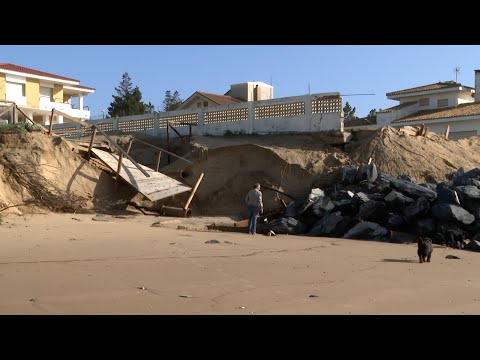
<point x="249" y="91"/>
<point x="37" y="92"/>
<point x="436" y="106"/>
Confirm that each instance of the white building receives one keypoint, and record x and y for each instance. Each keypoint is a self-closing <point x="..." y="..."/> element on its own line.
<point x="243" y="92"/>
<point x="36" y="93"/>
<point x="436" y="106"/>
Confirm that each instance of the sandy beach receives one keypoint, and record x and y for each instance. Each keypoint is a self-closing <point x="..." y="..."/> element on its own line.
<point x="70" y="264"/>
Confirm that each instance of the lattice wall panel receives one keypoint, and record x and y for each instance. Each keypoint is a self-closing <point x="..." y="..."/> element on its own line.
<point x="179" y="120"/>
<point x="222" y="116"/>
<point x="327" y="105"/>
<point x="67" y="132"/>
<point x="280" y="110"/>
<point x="136" y="125"/>
<point x="104" y="127"/>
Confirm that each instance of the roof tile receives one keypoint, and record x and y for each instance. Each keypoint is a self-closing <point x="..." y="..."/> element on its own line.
<point x="13" y="67"/>
<point x="467" y="109"/>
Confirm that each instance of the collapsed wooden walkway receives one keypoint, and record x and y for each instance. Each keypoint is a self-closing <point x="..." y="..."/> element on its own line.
<point x="155" y="187"/>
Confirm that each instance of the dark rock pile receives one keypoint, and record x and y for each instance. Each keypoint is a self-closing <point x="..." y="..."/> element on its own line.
<point x="375" y="206"/>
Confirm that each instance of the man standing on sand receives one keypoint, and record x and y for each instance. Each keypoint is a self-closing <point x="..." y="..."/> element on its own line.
<point x="255" y="207"/>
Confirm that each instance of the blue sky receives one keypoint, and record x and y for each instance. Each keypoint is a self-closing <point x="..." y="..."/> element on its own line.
<point x="348" y="69"/>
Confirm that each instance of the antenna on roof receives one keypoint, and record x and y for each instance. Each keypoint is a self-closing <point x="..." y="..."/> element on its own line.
<point x="308" y="88"/>
<point x="457" y="71"/>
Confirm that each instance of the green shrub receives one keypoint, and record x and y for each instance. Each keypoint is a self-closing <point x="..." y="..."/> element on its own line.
<point x="19" y="127"/>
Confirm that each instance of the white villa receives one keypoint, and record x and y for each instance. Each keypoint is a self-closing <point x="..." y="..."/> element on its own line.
<point x="436" y="106"/>
<point x="36" y="93"/>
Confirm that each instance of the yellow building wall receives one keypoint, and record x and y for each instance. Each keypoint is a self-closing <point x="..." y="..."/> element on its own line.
<point x="3" y="87"/>
<point x="67" y="99"/>
<point x="32" y="92"/>
<point x="58" y="93"/>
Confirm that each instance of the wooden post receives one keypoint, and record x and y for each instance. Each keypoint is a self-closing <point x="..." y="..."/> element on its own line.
<point x="14" y="120"/>
<point x="420" y="132"/>
<point x="119" y="168"/>
<point x="168" y="141"/>
<point x="447" y="132"/>
<point x="425" y="132"/>
<point x="129" y="146"/>
<point x="193" y="192"/>
<point x="51" y="122"/>
<point x="89" y="153"/>
<point x="158" y="161"/>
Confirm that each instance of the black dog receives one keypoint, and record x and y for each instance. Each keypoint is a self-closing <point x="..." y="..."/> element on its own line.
<point x="425" y="249"/>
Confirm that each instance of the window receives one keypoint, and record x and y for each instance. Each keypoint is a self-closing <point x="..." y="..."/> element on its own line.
<point x="205" y="104"/>
<point x="424" y="102"/>
<point x="15" y="90"/>
<point x="46" y="93"/>
<point x="199" y="104"/>
<point x="442" y="102"/>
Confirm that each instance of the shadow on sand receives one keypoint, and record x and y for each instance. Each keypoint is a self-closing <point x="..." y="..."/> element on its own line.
<point x="400" y="260"/>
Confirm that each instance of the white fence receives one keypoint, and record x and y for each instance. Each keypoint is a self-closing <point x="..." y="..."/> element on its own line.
<point x="308" y="113"/>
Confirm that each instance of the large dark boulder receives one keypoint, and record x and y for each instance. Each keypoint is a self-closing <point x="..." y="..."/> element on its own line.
<point x="448" y="212"/>
<point x="465" y="181"/>
<point x="322" y="206"/>
<point x="343" y="226"/>
<point x="394" y="221"/>
<point x="473" y="245"/>
<point x="473" y="207"/>
<point x="423" y="227"/>
<point x="287" y="226"/>
<point x="468" y="192"/>
<point x="408" y="178"/>
<point x="372" y="211"/>
<point x="367" y="173"/>
<point x="366" y="230"/>
<point x="312" y="197"/>
<point x="327" y="226"/>
<point x="450" y="234"/>
<point x="418" y="209"/>
<point x="294" y="206"/>
<point x="476" y="236"/>
<point x="360" y="198"/>
<point x="397" y="201"/>
<point x="447" y="196"/>
<point x="345" y="206"/>
<point x="429" y="186"/>
<point x="341" y="195"/>
<point x="400" y="237"/>
<point x="471" y="177"/>
<point x="349" y="175"/>
<point x="473" y="227"/>
<point x="384" y="179"/>
<point x="412" y="190"/>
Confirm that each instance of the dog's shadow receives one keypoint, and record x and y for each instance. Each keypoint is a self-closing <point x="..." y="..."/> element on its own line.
<point x="400" y="260"/>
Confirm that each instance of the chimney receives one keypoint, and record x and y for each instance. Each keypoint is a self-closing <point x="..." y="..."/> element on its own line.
<point x="256" y="93"/>
<point x="477" y="85"/>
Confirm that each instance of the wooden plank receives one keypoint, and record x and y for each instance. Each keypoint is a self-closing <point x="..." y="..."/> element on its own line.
<point x="159" y="156"/>
<point x="193" y="191"/>
<point x="165" y="194"/>
<point x="122" y="151"/>
<point x="92" y="140"/>
<point x="447" y="131"/>
<point x="156" y="187"/>
<point x="51" y="122"/>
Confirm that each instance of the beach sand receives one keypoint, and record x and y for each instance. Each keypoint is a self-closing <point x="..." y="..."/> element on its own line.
<point x="70" y="264"/>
